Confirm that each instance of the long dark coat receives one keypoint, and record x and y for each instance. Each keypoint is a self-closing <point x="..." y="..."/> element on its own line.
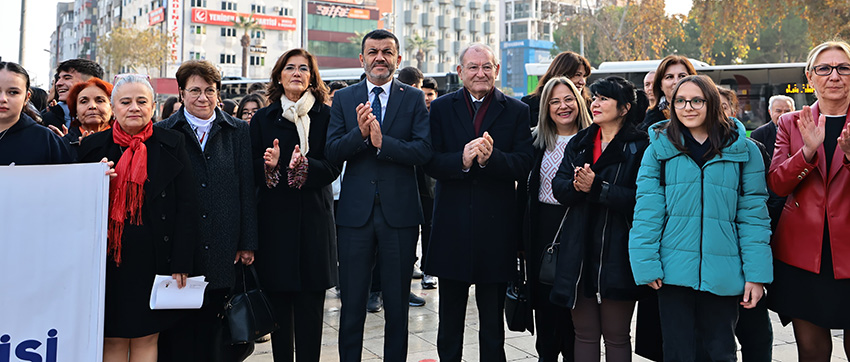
<point x="227" y="212"/>
<point x="595" y="247"/>
<point x="474" y="235"/>
<point x="296" y="227"/>
<point x="170" y="195"/>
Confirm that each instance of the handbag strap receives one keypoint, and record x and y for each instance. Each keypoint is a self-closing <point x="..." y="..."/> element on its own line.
<point x="254" y="274"/>
<point x="239" y="282"/>
<point x="555" y="240"/>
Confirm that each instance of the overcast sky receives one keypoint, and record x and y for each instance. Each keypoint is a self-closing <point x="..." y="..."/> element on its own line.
<point x="41" y="21"/>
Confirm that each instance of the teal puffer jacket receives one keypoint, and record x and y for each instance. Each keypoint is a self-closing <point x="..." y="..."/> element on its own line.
<point x="699" y="230"/>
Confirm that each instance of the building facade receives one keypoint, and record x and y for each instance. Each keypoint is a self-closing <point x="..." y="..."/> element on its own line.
<point x="446" y="26"/>
<point x="62" y="43"/>
<point x="528" y="36"/>
<point x="334" y="29"/>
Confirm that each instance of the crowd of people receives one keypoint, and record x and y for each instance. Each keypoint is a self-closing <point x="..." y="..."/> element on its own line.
<point x="653" y="195"/>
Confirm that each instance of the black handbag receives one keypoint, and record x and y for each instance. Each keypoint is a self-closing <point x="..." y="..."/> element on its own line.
<point x="518" y="311"/>
<point x="549" y="259"/>
<point x="247" y="313"/>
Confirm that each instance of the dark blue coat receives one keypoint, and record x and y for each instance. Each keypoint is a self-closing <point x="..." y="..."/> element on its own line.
<point x="474" y="235"/>
<point x="390" y="173"/>
<point x="28" y="143"/>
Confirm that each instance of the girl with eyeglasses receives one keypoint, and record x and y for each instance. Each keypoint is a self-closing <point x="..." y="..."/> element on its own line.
<point x="810" y="166"/>
<point x="701" y="230"/>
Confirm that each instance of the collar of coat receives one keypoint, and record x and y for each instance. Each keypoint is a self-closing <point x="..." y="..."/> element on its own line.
<point x="178" y="118"/>
<point x="616" y="151"/>
<point x="736" y="152"/>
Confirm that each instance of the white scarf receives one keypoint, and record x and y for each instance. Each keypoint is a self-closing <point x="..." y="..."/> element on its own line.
<point x="200" y="126"/>
<point x="296" y="112"/>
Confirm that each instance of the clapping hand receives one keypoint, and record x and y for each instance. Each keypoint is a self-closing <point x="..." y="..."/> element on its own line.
<point x="296" y="158"/>
<point x="583" y="178"/>
<point x="272" y="154"/>
<point x="812" y="133"/>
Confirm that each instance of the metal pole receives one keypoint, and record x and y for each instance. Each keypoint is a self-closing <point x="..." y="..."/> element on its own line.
<point x="23" y="23"/>
<point x="304" y="6"/>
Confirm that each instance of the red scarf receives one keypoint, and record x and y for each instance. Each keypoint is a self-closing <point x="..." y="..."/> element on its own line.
<point x="126" y="191"/>
<point x="597" y="145"/>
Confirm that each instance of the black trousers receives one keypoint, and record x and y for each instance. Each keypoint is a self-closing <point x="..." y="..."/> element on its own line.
<point x="490" y="299"/>
<point x="693" y="322"/>
<point x="427" y="209"/>
<point x="556" y="334"/>
<point x="755" y="333"/>
<point x="299" y="315"/>
<point x="360" y="249"/>
<point x="198" y="336"/>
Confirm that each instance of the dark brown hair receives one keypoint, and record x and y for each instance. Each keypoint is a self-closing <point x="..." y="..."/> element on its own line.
<point x="202" y="68"/>
<point x="662" y="68"/>
<point x="261" y="102"/>
<point x="565" y="64"/>
<point x="731" y="96"/>
<point x="316" y="86"/>
<point x="17" y="68"/>
<point x="721" y="132"/>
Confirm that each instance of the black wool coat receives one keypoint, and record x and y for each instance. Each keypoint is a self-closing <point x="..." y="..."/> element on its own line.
<point x="595" y="235"/>
<point x="474" y="234"/>
<point x="297" y="237"/>
<point x="227" y="208"/>
<point x="170" y="196"/>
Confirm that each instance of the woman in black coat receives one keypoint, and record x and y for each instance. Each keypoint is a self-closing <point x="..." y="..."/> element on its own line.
<point x="564" y="115"/>
<point x="151" y="230"/>
<point x="297" y="258"/>
<point x="596" y="181"/>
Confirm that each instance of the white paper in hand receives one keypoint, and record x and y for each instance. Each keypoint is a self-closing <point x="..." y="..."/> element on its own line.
<point x="166" y="295"/>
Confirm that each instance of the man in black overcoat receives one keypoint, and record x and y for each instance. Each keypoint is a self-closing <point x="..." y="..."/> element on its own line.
<point x="482" y="147"/>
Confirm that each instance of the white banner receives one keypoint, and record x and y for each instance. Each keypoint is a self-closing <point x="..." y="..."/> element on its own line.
<point x="52" y="262"/>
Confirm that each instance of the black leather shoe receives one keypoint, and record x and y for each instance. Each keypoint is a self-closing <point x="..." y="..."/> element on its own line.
<point x="416" y="301"/>
<point x="375" y="303"/>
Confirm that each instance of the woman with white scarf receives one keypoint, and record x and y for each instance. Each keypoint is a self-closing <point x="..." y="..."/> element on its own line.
<point x="297" y="259"/>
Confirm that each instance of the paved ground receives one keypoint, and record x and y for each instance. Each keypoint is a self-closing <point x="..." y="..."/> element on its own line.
<point x="519" y="347"/>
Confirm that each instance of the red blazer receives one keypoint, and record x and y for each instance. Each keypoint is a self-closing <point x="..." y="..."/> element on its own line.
<point x="811" y="193"/>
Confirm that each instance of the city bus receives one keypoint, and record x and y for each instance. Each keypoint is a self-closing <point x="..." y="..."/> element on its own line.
<point x="753" y="83"/>
<point x="235" y="88"/>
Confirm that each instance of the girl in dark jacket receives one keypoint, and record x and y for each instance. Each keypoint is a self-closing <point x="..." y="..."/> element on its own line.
<point x="596" y="181"/>
<point x="564" y="115"/>
<point x="297" y="258"/>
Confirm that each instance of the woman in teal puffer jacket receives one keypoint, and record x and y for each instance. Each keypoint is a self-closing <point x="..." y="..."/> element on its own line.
<point x="701" y="228"/>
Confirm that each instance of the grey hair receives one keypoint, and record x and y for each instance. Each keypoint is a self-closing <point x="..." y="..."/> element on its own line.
<point x="780" y="98"/>
<point x="478" y="46"/>
<point x="132" y="78"/>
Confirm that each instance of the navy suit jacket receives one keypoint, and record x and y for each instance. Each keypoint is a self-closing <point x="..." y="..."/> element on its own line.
<point x="474" y="233"/>
<point x="388" y="173"/>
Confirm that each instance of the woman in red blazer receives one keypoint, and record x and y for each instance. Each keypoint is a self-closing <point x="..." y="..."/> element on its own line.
<point x="811" y="165"/>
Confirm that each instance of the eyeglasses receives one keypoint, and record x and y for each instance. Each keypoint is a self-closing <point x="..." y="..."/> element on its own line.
<point x="556" y="102"/>
<point x="474" y="68"/>
<point x="696" y="103"/>
<point x="289" y="68"/>
<point x="824" y="69"/>
<point x="248" y="113"/>
<point x="196" y="92"/>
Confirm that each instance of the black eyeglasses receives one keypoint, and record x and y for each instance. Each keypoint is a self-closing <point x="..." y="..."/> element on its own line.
<point x="824" y="70"/>
<point x="696" y="103"/>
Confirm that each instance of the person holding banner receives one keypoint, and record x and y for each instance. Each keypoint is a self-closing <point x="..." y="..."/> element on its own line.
<point x="151" y="225"/>
<point x="22" y="140"/>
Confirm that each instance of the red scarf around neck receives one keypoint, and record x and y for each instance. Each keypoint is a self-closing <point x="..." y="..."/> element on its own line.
<point x="126" y="191"/>
<point x="597" y="145"/>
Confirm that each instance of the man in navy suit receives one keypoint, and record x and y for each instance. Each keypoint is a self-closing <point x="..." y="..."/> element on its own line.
<point x="482" y="147"/>
<point x="380" y="127"/>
